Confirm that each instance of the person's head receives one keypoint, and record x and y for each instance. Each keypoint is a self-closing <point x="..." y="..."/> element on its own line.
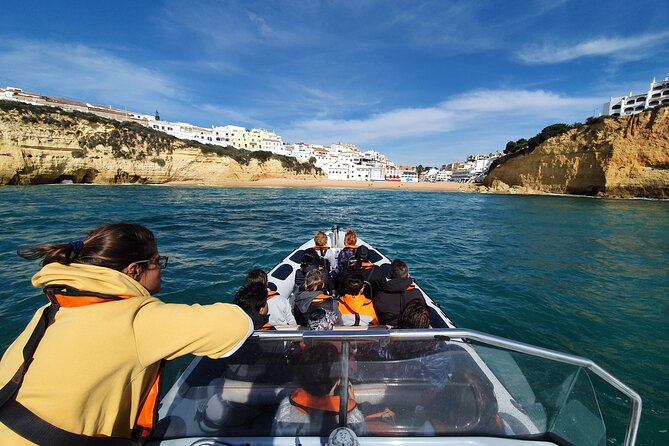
<point x="398" y="270"/>
<point x="310" y="258"/>
<point x="252" y="296"/>
<point x="320" y="239"/>
<point x="257" y="276"/>
<point x="319" y="368"/>
<point x="350" y="238"/>
<point x="362" y="254"/>
<point x="353" y="283"/>
<point x="313" y="281"/>
<point x="415" y="314"/>
<point x="126" y="247"/>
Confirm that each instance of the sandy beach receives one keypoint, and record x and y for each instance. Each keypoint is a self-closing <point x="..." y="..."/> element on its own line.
<point x="313" y="183"/>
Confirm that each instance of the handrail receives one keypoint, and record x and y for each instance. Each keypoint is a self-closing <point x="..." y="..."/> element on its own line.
<point x="379" y="334"/>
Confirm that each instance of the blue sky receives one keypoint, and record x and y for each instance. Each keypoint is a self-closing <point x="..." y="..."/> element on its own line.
<point x="423" y="82"/>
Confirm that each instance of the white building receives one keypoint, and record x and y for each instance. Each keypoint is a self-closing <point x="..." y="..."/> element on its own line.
<point x="658" y="94"/>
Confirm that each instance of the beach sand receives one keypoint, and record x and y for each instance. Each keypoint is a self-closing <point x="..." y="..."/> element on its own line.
<point x="313" y="183"/>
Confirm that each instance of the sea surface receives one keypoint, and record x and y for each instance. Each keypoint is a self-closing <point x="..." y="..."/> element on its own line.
<point x="585" y="276"/>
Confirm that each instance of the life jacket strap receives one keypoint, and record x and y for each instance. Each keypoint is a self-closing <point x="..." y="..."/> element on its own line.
<point x="37" y="430"/>
<point x="33" y="428"/>
<point x="10" y="389"/>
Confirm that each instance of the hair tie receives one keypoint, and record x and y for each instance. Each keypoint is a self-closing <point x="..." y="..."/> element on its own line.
<point x="75" y="248"/>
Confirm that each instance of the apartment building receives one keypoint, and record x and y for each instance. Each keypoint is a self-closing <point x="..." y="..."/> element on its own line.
<point x="657" y="94"/>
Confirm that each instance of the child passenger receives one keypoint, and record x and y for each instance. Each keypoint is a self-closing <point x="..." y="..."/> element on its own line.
<point x="252" y="298"/>
<point x="278" y="306"/>
<point x="355" y="308"/>
<point x="313" y="408"/>
<point x="314" y="298"/>
<point x="323" y="250"/>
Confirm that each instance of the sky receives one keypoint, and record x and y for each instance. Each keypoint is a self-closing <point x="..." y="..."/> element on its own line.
<point x="424" y="82"/>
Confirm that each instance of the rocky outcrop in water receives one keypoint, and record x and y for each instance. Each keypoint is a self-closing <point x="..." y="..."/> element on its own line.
<point x="41" y="145"/>
<point x="613" y="157"/>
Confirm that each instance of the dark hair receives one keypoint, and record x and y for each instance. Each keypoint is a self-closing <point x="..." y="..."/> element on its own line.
<point x="415" y="314"/>
<point x="362" y="253"/>
<point x="257" y="276"/>
<point x="319" y="369"/>
<point x="352" y="283"/>
<point x="398" y="270"/>
<point x="310" y="257"/>
<point x="113" y="245"/>
<point x="252" y="296"/>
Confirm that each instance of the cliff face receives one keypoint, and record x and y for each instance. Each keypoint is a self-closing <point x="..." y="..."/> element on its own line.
<point x="616" y="157"/>
<point x="40" y="146"/>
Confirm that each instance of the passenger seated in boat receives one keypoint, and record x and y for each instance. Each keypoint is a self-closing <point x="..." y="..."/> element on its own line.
<point x="355" y="308"/>
<point x="371" y="274"/>
<point x="395" y="293"/>
<point x="278" y="306"/>
<point x="415" y="314"/>
<point x="252" y="298"/>
<point x="313" y="408"/>
<point x="324" y="251"/>
<point x="312" y="261"/>
<point x="315" y="297"/>
<point x="348" y="251"/>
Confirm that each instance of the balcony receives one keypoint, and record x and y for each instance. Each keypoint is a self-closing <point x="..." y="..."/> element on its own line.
<point x="639" y="108"/>
<point x="629" y="109"/>
<point x="617" y="106"/>
<point x="653" y="103"/>
<point x="641" y="99"/>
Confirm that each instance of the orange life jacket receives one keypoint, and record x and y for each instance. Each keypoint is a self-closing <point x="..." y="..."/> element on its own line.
<point x="306" y="402"/>
<point x="67" y="297"/>
<point x="320" y="298"/>
<point x="271" y="294"/>
<point x="358" y="305"/>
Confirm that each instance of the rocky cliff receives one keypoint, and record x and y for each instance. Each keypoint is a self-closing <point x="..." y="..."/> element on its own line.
<point x="613" y="156"/>
<point x="40" y="145"/>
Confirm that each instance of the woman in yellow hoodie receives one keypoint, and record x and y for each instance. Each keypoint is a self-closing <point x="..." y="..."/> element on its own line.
<point x="84" y="371"/>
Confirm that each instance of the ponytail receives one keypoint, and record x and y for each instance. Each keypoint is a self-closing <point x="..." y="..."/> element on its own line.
<point x="114" y="245"/>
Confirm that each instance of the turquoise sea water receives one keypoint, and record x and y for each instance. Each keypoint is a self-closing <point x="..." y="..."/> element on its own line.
<point x="584" y="276"/>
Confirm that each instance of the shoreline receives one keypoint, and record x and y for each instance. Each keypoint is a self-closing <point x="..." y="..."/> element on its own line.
<point x="334" y="184"/>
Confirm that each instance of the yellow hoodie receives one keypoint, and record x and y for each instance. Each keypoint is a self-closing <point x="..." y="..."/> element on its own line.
<point x="96" y="362"/>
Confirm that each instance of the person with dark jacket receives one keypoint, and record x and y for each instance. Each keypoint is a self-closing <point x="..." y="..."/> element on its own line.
<point x="314" y="297"/>
<point x="397" y="291"/>
<point x="312" y="261"/>
<point x="252" y="298"/>
<point x="371" y="274"/>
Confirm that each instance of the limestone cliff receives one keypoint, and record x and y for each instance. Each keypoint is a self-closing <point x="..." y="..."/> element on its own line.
<point x="614" y="156"/>
<point x="40" y="145"/>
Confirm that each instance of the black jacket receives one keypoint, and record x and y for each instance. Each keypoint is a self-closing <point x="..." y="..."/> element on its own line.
<point x="391" y="299"/>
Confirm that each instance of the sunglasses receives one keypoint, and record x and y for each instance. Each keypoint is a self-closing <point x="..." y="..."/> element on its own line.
<point x="161" y="261"/>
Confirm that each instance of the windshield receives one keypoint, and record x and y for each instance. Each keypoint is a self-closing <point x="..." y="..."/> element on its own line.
<point x="431" y="387"/>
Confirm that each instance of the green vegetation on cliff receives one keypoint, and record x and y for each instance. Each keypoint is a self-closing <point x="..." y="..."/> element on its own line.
<point x="132" y="140"/>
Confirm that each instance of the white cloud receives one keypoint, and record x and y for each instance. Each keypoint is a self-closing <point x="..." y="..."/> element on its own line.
<point x="621" y="48"/>
<point x="467" y="112"/>
<point x="84" y="73"/>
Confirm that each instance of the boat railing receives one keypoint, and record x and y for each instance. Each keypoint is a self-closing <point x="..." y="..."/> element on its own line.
<point x="384" y="336"/>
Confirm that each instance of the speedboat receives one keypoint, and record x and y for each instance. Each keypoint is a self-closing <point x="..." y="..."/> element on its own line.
<point x="449" y="386"/>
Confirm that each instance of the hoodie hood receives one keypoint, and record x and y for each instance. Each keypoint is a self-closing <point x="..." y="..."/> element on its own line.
<point x="89" y="278"/>
<point x="304" y="299"/>
<point x="396" y="285"/>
